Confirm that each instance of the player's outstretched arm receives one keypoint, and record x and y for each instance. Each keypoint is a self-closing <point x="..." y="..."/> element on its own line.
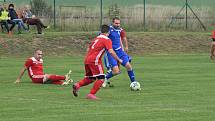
<point x="20" y="75"/>
<point x="111" y="51"/>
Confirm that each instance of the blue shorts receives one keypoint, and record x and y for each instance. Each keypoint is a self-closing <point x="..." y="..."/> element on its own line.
<point x="111" y="62"/>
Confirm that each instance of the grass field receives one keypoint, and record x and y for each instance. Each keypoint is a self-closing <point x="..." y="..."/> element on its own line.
<point x="176" y="88"/>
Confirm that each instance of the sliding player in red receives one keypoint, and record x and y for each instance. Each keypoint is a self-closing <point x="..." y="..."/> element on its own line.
<point x="34" y="65"/>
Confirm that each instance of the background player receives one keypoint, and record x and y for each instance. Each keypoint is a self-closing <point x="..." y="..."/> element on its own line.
<point x="34" y="65"/>
<point x="93" y="65"/>
<point x="212" y="54"/>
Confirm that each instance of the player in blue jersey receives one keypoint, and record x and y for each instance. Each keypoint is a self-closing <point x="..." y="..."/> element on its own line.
<point x="118" y="37"/>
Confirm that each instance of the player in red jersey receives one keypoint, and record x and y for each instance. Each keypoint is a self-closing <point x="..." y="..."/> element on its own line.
<point x="34" y="65"/>
<point x="94" y="71"/>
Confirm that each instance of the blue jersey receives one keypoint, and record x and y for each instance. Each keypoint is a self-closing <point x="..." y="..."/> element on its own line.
<point x="115" y="37"/>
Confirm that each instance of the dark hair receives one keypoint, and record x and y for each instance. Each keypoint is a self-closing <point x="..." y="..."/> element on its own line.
<point x="104" y="28"/>
<point x="115" y="18"/>
<point x="11" y="5"/>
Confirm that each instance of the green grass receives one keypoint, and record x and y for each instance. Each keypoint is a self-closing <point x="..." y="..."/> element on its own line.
<point x="176" y="88"/>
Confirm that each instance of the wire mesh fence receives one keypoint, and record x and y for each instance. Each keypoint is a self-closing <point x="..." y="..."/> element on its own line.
<point x="135" y="15"/>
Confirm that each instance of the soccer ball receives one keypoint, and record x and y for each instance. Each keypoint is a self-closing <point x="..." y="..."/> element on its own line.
<point x="135" y="86"/>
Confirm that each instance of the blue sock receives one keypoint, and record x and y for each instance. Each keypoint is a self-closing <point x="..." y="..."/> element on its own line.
<point x="109" y="75"/>
<point x="131" y="75"/>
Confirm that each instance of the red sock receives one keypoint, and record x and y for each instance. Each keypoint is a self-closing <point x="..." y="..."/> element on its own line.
<point x="57" y="82"/>
<point x="96" y="86"/>
<point x="56" y="78"/>
<point x="84" y="82"/>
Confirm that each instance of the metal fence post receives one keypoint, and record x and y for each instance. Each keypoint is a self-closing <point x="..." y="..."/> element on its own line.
<point x="101" y="13"/>
<point x="54" y="14"/>
<point x="144" y="14"/>
<point x="186" y="15"/>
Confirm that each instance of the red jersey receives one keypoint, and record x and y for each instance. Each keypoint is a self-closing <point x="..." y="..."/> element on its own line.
<point x="34" y="66"/>
<point x="97" y="49"/>
<point x="122" y="33"/>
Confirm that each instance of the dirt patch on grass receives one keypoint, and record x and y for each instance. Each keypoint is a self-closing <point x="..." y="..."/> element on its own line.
<point x="77" y="43"/>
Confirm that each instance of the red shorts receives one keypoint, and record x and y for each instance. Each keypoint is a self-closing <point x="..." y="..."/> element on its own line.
<point x="92" y="70"/>
<point x="37" y="78"/>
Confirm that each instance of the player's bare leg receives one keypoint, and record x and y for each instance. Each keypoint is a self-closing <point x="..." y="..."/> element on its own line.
<point x="128" y="66"/>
